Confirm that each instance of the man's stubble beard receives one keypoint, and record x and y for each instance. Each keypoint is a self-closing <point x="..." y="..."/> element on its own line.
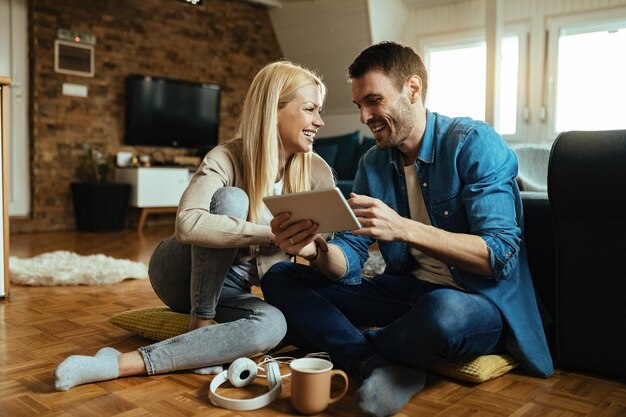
<point x="403" y="123"/>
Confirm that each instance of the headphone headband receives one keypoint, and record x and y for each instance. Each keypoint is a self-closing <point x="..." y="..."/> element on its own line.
<point x="241" y="373"/>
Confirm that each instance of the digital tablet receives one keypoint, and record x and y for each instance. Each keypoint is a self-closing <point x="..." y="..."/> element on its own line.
<point x="328" y="208"/>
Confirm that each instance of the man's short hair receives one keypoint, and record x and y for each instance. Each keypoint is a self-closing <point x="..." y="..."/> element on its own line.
<point x="397" y="61"/>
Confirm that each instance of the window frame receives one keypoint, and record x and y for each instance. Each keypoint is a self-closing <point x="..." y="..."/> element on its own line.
<point x="457" y="39"/>
<point x="572" y="24"/>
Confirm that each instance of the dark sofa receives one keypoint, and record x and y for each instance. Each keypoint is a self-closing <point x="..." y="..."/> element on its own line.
<point x="575" y="235"/>
<point x="539" y="244"/>
<point x="343" y="153"/>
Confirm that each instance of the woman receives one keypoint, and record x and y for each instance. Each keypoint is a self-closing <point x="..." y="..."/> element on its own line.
<point x="223" y="243"/>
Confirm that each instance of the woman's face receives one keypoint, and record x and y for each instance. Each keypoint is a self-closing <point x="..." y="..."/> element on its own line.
<point x="299" y="120"/>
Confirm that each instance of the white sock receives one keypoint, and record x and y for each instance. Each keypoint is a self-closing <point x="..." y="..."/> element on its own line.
<point x="388" y="389"/>
<point x="78" y="369"/>
<point x="209" y="370"/>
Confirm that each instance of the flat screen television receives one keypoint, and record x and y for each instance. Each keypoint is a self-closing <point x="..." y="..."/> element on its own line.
<point x="166" y="112"/>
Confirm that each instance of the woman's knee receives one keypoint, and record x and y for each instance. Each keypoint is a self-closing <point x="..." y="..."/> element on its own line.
<point x="272" y="328"/>
<point x="230" y="201"/>
<point x="169" y="254"/>
<point x="169" y="273"/>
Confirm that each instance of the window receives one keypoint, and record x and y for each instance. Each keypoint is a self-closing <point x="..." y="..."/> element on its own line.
<point x="507" y="114"/>
<point x="590" y="80"/>
<point x="457" y="84"/>
<point x="457" y="81"/>
<point x="564" y="74"/>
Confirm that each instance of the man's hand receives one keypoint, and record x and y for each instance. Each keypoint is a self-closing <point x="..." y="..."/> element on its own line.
<point x="298" y="238"/>
<point x="377" y="219"/>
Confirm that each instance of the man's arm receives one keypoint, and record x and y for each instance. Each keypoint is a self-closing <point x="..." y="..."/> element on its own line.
<point x="460" y="250"/>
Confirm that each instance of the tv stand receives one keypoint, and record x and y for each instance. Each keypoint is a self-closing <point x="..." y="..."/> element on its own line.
<point x="154" y="189"/>
<point x="146" y="211"/>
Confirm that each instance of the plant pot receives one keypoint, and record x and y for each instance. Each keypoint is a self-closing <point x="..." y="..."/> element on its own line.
<point x="100" y="207"/>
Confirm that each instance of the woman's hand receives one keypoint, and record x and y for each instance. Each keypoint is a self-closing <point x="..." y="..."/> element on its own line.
<point x="298" y="238"/>
<point x="377" y="219"/>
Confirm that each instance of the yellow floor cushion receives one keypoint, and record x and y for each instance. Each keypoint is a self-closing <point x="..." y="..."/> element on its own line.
<point x="481" y="369"/>
<point x="161" y="323"/>
<point x="157" y="323"/>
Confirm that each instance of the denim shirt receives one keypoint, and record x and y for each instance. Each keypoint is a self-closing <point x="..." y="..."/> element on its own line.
<point x="467" y="178"/>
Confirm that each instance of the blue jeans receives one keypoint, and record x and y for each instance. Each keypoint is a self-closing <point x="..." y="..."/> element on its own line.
<point x="195" y="280"/>
<point x="417" y="323"/>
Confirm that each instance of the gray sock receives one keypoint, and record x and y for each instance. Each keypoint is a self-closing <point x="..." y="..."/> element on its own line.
<point x="78" y="369"/>
<point x="388" y="389"/>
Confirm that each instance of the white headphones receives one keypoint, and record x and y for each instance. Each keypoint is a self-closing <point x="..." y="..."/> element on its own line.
<point x="241" y="373"/>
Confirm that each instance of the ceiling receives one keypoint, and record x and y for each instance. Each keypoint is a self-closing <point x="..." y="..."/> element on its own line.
<point x="424" y="4"/>
<point x="325" y="35"/>
<point x="413" y="4"/>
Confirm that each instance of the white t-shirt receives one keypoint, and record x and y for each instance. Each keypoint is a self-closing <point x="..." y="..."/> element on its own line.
<point x="429" y="269"/>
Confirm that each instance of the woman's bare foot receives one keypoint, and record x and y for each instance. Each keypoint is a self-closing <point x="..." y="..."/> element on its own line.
<point x="196" y="323"/>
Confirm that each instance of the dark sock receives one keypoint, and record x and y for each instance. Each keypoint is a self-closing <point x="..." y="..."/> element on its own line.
<point x="388" y="389"/>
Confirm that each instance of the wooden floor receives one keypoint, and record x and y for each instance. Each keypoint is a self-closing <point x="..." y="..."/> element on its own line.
<point x="41" y="326"/>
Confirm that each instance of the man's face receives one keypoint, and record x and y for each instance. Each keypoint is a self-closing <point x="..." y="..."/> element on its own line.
<point x="385" y="110"/>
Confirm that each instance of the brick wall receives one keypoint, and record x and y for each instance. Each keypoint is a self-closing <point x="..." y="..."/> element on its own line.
<point x="220" y="41"/>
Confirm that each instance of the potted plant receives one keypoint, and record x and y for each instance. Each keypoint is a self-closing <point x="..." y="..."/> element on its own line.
<point x="99" y="205"/>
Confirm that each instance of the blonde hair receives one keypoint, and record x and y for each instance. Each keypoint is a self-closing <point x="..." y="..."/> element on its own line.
<point x="273" y="87"/>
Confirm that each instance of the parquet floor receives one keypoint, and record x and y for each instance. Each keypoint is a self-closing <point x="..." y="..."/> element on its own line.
<point x="41" y="326"/>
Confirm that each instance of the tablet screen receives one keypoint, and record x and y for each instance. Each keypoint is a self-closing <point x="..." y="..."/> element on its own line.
<point x="328" y="208"/>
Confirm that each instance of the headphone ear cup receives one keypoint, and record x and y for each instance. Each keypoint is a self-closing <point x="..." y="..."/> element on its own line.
<point x="241" y="372"/>
<point x="273" y="374"/>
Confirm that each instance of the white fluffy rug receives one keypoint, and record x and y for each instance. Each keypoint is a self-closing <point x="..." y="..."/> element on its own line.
<point x="374" y="265"/>
<point x="68" y="268"/>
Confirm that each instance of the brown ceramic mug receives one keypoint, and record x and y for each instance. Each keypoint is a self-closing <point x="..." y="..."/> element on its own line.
<point x="310" y="385"/>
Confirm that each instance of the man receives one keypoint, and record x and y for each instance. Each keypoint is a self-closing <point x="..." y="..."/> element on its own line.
<point x="439" y="196"/>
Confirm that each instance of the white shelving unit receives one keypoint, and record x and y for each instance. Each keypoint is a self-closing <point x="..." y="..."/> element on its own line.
<point x="154" y="189"/>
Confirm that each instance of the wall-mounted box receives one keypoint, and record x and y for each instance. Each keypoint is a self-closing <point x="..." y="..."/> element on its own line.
<point x="74" y="58"/>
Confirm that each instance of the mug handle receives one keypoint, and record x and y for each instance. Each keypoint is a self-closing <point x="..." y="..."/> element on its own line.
<point x="345" y="388"/>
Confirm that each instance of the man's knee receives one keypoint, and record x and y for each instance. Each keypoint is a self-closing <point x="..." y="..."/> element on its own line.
<point x="277" y="273"/>
<point x="459" y="324"/>
<point x="443" y="313"/>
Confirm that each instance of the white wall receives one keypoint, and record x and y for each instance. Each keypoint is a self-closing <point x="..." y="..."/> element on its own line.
<point x="324" y="35"/>
<point x="5" y="38"/>
<point x="3" y="208"/>
<point x="340" y="124"/>
<point x="388" y="20"/>
<point x="14" y="64"/>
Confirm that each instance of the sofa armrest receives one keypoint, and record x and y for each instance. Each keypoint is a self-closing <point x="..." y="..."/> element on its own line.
<point x="540" y="248"/>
